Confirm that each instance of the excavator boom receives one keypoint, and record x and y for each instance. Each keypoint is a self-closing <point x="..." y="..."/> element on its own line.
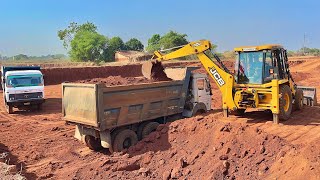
<point x="220" y="74"/>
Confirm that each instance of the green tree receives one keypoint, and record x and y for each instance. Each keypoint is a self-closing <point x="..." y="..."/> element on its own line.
<point x="172" y="39"/>
<point x="134" y="45"/>
<point x="88" y="46"/>
<point x="153" y="43"/>
<point x="67" y="35"/>
<point x="169" y="40"/>
<point x="114" y="44"/>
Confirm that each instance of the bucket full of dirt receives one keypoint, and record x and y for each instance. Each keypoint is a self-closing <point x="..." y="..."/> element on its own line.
<point x="154" y="70"/>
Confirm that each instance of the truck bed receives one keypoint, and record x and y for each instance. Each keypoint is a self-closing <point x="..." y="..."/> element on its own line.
<point x="102" y="107"/>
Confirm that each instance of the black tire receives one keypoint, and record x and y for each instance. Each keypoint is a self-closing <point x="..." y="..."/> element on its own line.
<point x="9" y="109"/>
<point x="198" y="109"/>
<point x="148" y="128"/>
<point x="92" y="142"/>
<point x="124" y="139"/>
<point x="39" y="107"/>
<point x="285" y="104"/>
<point x="140" y="129"/>
<point x="240" y="112"/>
<point x="298" y="100"/>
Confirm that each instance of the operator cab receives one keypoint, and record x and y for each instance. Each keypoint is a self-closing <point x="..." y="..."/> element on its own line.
<point x="260" y="64"/>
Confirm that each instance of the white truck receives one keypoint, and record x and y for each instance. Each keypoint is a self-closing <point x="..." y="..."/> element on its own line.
<point x="23" y="87"/>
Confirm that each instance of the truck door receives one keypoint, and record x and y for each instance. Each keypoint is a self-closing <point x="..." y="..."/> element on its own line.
<point x="204" y="92"/>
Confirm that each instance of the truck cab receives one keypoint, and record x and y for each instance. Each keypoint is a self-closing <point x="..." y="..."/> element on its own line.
<point x="23" y="87"/>
<point x="200" y="92"/>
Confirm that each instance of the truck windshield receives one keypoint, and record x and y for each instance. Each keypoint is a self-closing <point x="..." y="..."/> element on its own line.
<point x="24" y="80"/>
<point x="250" y="67"/>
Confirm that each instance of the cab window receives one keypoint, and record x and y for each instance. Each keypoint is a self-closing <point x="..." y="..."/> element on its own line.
<point x="200" y="84"/>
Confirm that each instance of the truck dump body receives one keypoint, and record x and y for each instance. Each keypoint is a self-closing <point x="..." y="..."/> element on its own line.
<point x="101" y="107"/>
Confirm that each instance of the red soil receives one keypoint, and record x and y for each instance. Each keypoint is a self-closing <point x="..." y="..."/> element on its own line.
<point x="202" y="147"/>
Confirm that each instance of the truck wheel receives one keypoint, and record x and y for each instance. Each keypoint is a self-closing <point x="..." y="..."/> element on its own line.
<point x="298" y="102"/>
<point x="148" y="128"/>
<point x="92" y="142"/>
<point x="285" y="104"/>
<point x="198" y="109"/>
<point x="39" y="107"/>
<point x="124" y="140"/>
<point x="9" y="109"/>
<point x="140" y="129"/>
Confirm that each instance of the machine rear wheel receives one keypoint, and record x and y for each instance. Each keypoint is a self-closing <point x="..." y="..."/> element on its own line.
<point x="298" y="102"/>
<point x="285" y="104"/>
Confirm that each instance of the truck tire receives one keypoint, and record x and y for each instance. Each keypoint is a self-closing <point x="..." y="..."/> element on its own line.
<point x="298" y="100"/>
<point x="124" y="139"/>
<point x="9" y="109"/>
<point x="198" y="109"/>
<point x="285" y="103"/>
<point x="92" y="142"/>
<point x="148" y="128"/>
<point x="140" y="129"/>
<point x="39" y="107"/>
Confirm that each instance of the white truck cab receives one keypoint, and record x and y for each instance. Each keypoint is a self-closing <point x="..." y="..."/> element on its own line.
<point x="22" y="87"/>
<point x="199" y="96"/>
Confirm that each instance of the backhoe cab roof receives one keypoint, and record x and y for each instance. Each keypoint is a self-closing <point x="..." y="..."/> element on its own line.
<point x="258" y="48"/>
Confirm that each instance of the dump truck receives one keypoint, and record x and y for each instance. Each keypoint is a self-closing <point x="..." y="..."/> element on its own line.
<point x="117" y="117"/>
<point x="23" y="87"/>
<point x="261" y="80"/>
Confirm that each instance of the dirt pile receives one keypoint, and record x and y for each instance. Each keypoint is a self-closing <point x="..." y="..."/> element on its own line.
<point x="59" y="75"/>
<point x="7" y="170"/>
<point x="117" y="80"/>
<point x="198" y="148"/>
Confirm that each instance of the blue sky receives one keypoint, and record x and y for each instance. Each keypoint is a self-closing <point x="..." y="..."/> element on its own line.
<point x="30" y="26"/>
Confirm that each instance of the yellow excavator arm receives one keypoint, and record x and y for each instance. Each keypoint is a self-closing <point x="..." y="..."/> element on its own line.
<point x="221" y="75"/>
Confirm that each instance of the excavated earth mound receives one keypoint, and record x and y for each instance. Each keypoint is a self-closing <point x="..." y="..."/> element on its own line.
<point x="195" y="148"/>
<point x="117" y="80"/>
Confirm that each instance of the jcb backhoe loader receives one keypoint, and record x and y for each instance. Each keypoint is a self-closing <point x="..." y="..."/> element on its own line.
<point x="261" y="80"/>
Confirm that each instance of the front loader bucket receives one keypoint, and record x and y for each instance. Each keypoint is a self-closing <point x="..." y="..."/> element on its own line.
<point x="309" y="94"/>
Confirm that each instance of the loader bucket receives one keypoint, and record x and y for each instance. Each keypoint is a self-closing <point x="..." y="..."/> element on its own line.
<point x="309" y="95"/>
<point x="154" y="70"/>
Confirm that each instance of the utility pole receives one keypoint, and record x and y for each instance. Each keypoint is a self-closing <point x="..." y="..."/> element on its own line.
<point x="304" y="44"/>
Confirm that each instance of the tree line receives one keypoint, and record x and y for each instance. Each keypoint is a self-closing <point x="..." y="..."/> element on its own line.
<point x="85" y="43"/>
<point x="26" y="57"/>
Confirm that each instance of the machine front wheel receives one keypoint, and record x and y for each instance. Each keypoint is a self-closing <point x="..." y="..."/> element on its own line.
<point x="285" y="103"/>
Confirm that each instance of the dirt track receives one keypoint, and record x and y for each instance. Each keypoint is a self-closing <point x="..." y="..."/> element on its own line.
<point x="202" y="147"/>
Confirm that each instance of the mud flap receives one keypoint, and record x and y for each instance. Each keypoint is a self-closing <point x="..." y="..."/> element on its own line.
<point x="105" y="138"/>
<point x="78" y="133"/>
<point x="309" y="95"/>
<point x="81" y="131"/>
